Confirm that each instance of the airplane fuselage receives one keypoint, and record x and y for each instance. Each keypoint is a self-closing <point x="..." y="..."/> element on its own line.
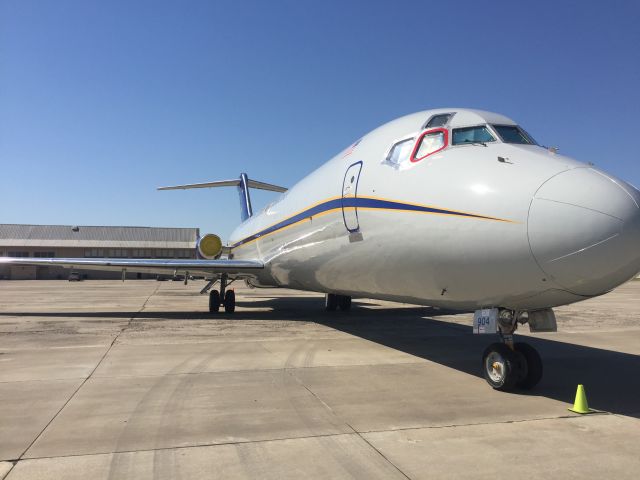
<point x="468" y="226"/>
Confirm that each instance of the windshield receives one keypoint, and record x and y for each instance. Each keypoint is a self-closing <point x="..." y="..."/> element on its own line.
<point x="513" y="134"/>
<point x="479" y="134"/>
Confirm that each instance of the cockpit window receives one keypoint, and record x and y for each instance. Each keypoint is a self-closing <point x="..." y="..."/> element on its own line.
<point x="438" y="120"/>
<point x="430" y="142"/>
<point x="468" y="135"/>
<point x="513" y="134"/>
<point x="400" y="151"/>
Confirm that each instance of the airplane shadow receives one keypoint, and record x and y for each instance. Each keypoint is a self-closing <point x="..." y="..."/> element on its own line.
<point x="610" y="377"/>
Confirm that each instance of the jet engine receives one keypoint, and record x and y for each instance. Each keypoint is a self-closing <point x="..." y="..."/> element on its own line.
<point x="209" y="246"/>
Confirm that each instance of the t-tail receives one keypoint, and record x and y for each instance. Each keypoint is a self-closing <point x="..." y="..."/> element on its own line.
<point x="244" y="183"/>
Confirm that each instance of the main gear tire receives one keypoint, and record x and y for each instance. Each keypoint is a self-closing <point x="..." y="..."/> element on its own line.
<point x="229" y="301"/>
<point x="344" y="303"/>
<point x="330" y="302"/>
<point x="214" y="301"/>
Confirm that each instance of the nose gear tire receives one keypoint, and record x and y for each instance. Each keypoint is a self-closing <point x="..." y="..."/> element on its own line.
<point x="533" y="364"/>
<point x="502" y="367"/>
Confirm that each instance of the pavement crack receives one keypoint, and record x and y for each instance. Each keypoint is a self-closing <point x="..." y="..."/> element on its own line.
<point x="89" y="376"/>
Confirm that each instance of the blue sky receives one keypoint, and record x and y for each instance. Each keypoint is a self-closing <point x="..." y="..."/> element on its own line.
<point x="101" y="102"/>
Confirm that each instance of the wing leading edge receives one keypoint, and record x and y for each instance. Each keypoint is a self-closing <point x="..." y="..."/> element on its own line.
<point x="235" y="268"/>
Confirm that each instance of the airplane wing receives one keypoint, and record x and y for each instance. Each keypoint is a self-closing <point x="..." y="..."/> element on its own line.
<point x="211" y="268"/>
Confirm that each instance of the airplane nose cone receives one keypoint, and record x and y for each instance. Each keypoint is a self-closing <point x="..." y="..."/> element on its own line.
<point x="584" y="231"/>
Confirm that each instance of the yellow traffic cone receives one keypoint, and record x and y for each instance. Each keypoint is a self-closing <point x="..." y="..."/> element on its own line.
<point x="580" y="405"/>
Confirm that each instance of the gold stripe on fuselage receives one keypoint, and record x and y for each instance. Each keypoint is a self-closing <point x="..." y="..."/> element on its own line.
<point x="443" y="212"/>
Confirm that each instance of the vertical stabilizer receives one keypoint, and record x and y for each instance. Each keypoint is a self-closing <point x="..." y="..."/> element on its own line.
<point x="245" y="199"/>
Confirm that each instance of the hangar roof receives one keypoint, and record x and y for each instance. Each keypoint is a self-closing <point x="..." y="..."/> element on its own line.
<point x="14" y="235"/>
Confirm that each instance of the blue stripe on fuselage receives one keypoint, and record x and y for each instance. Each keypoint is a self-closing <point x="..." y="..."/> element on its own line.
<point x="357" y="202"/>
<point x="315" y="210"/>
<point x="376" y="203"/>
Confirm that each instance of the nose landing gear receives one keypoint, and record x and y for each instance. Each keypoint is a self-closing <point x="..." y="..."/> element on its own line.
<point x="507" y="365"/>
<point x="532" y="364"/>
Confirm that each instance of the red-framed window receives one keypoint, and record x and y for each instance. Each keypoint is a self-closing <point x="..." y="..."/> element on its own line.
<point x="430" y="142"/>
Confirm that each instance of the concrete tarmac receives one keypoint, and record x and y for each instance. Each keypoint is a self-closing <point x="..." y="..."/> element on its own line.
<point x="136" y="380"/>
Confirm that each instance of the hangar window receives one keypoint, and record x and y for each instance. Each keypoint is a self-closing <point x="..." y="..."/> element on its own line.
<point x="470" y="135"/>
<point x="43" y="254"/>
<point x="18" y="254"/>
<point x="439" y="120"/>
<point x="400" y="151"/>
<point x="430" y="142"/>
<point x="513" y="134"/>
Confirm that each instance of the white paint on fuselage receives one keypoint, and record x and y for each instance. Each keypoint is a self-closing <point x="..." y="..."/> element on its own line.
<point x="423" y="258"/>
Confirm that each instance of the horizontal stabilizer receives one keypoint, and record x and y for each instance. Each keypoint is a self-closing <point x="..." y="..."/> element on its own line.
<point x="228" y="183"/>
<point x="244" y="184"/>
<point x="265" y="186"/>
<point x="219" y="183"/>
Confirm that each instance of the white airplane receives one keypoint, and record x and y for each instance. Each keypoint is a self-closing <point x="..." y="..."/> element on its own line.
<point x="451" y="208"/>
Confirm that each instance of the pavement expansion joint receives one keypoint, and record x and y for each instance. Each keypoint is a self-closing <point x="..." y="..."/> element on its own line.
<point x="13" y="464"/>
<point x="245" y="370"/>
<point x="42" y="380"/>
<point x="476" y="424"/>
<point x="324" y="404"/>
<point x="378" y="451"/>
<point x="183" y="447"/>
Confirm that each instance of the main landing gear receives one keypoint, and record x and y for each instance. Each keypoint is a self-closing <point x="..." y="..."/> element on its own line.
<point x="332" y="302"/>
<point x="507" y="365"/>
<point x="224" y="297"/>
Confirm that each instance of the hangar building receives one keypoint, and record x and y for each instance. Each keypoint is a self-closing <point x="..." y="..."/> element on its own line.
<point x="90" y="242"/>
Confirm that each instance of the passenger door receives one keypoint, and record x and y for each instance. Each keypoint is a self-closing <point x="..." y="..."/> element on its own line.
<point x="349" y="196"/>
